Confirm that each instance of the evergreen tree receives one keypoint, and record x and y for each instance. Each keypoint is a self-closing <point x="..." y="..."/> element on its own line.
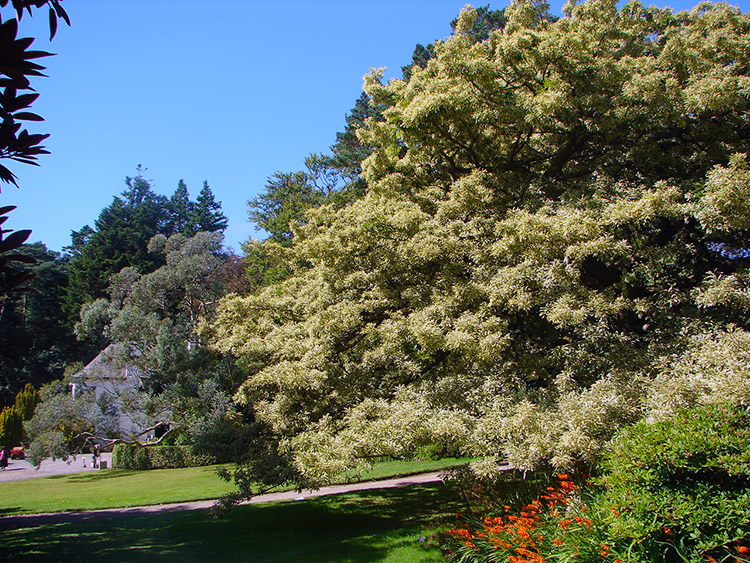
<point x="179" y="209"/>
<point x="26" y="401"/>
<point x="11" y="427"/>
<point x="120" y="239"/>
<point x="334" y="179"/>
<point x="35" y="343"/>
<point x="486" y="22"/>
<point x="206" y="214"/>
<point x="78" y="240"/>
<point x="348" y="152"/>
<point x="283" y="203"/>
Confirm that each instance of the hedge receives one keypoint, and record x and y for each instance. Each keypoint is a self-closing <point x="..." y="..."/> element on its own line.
<point x="133" y="456"/>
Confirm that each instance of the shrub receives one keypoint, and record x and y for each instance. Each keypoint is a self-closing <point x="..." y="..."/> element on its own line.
<point x="682" y="486"/>
<point x="133" y="456"/>
<point x="677" y="490"/>
<point x="26" y="401"/>
<point x="11" y="427"/>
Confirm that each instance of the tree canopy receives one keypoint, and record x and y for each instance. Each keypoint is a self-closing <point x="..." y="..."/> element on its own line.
<point x="34" y="345"/>
<point x="122" y="232"/>
<point x="555" y="226"/>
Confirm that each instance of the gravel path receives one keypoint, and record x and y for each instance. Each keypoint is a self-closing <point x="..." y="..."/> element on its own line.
<point x="27" y="520"/>
<point x="22" y="469"/>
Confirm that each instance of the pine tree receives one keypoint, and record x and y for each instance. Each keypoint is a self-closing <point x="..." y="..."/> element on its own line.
<point x="120" y="239"/>
<point x="206" y="214"/>
<point x="179" y="209"/>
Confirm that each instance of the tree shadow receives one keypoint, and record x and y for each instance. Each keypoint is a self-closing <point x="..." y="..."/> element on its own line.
<point x="352" y="528"/>
<point x="94" y="475"/>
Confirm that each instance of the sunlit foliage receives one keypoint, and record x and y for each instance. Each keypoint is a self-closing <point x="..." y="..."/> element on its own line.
<point x="556" y="224"/>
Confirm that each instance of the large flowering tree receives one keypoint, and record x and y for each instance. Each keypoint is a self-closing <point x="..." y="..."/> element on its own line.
<point x="554" y="237"/>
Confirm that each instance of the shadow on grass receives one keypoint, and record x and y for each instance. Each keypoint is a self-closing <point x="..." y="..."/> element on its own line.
<point x="92" y="476"/>
<point x="354" y="528"/>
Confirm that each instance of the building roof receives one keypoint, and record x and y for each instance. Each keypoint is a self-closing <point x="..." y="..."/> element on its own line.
<point x="110" y="364"/>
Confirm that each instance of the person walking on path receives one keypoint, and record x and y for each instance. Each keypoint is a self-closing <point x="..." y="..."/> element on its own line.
<point x="4" y="457"/>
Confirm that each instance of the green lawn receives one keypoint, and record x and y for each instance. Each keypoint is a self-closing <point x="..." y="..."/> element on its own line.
<point x="392" y="525"/>
<point x="121" y="487"/>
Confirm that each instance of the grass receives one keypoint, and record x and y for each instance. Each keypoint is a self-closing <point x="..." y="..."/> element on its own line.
<point x="390" y="526"/>
<point x="115" y="488"/>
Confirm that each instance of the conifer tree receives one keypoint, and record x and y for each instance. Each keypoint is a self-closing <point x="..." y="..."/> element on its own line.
<point x="206" y="214"/>
<point x="119" y="239"/>
<point x="11" y="427"/>
<point x="179" y="209"/>
<point x="26" y="401"/>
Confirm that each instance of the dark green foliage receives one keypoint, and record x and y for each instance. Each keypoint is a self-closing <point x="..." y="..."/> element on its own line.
<point x="348" y="152"/>
<point x="205" y="214"/>
<point x="681" y="486"/>
<point x="35" y="342"/>
<point x="179" y="209"/>
<point x="284" y="201"/>
<point x="78" y="241"/>
<point x="419" y="59"/>
<point x="333" y="179"/>
<point x="120" y="239"/>
<point x="134" y="456"/>
<point x="123" y="230"/>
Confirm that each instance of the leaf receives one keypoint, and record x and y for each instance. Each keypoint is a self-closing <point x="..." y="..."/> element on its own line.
<point x="14" y="240"/>
<point x="61" y="12"/>
<point x="23" y="101"/>
<point x="27" y="116"/>
<point x="6" y="209"/>
<point x="7" y="176"/>
<point x="52" y="24"/>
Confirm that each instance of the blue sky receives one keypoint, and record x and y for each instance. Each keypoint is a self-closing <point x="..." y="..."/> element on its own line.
<point x="228" y="91"/>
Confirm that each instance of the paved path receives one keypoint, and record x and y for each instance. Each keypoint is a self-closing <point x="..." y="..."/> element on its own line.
<point x="25" y="520"/>
<point x="22" y="469"/>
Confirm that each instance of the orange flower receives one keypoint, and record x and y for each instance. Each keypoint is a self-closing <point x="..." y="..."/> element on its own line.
<point x="743" y="549"/>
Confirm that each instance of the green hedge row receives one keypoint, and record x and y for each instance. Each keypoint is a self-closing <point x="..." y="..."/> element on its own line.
<point x="133" y="456"/>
